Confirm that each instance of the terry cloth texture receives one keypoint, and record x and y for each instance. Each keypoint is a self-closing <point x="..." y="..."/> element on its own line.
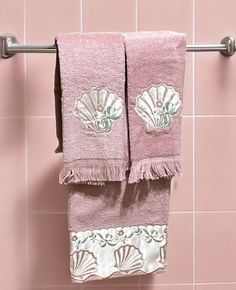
<point x="90" y="107"/>
<point x="155" y="77"/>
<point x="118" y="230"/>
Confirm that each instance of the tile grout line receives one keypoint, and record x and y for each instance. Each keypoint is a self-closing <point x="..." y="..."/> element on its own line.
<point x="81" y="16"/>
<point x="136" y="29"/>
<point x="216" y="283"/>
<point x="215" y="211"/>
<point x="52" y="116"/>
<point x="194" y="148"/>
<point x="203" y="211"/>
<point x="215" y="116"/>
<point x="190" y="284"/>
<point x="171" y="212"/>
<point x="26" y="152"/>
<point x="81" y="30"/>
<point x="128" y="285"/>
<point x="25" y="117"/>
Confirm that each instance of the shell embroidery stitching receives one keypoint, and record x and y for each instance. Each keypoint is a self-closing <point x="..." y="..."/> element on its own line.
<point x="128" y="259"/>
<point x="82" y="264"/>
<point x="99" y="109"/>
<point x="128" y="249"/>
<point x="157" y="105"/>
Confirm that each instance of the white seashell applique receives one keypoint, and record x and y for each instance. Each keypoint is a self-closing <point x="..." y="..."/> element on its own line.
<point x="83" y="264"/>
<point x="157" y="105"/>
<point x="118" y="251"/>
<point x="128" y="259"/>
<point x="99" y="109"/>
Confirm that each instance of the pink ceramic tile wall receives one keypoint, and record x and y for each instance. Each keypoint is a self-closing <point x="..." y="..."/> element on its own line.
<point x="33" y="221"/>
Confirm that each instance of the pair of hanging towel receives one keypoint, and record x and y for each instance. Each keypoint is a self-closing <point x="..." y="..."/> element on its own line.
<point x="119" y="104"/>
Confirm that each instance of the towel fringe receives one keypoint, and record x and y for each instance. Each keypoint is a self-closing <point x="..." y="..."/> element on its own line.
<point x="154" y="169"/>
<point x="92" y="175"/>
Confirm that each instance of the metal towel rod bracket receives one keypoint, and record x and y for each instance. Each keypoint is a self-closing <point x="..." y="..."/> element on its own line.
<point x="9" y="46"/>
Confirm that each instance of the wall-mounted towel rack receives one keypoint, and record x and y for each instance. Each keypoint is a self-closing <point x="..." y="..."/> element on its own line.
<point x="10" y="46"/>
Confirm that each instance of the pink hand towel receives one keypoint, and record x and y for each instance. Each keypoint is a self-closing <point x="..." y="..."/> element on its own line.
<point x="118" y="230"/>
<point x="90" y="107"/>
<point x="155" y="68"/>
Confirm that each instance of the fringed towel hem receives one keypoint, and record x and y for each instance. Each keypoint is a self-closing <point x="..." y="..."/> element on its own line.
<point x="154" y="168"/>
<point x="95" y="174"/>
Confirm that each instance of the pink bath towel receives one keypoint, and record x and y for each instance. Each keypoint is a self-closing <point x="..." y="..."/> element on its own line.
<point x="120" y="229"/>
<point x="155" y="69"/>
<point x="90" y="107"/>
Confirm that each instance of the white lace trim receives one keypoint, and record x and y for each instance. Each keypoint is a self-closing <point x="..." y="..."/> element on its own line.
<point x="117" y="251"/>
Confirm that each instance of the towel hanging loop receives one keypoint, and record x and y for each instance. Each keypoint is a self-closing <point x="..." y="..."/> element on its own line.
<point x="9" y="46"/>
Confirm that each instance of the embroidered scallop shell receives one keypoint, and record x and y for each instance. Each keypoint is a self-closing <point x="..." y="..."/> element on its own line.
<point x="99" y="109"/>
<point x="128" y="259"/>
<point x="82" y="264"/>
<point x="157" y="105"/>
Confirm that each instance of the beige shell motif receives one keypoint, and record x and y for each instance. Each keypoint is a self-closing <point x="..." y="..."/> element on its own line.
<point x="83" y="264"/>
<point x="128" y="259"/>
<point x="157" y="105"/>
<point x="99" y="109"/>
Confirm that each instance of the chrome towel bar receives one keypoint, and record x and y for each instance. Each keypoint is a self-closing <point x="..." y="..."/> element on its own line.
<point x="10" y="46"/>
